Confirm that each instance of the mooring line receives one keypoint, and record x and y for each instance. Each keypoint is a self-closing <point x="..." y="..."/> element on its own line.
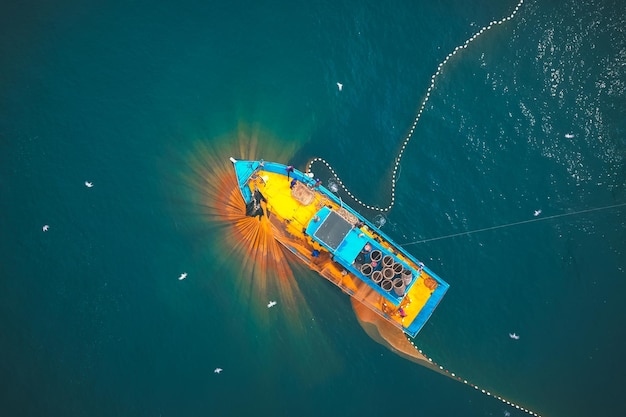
<point x="417" y="118"/>
<point x="514" y="224"/>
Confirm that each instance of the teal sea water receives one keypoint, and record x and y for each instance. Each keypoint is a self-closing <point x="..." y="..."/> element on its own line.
<point x="531" y="116"/>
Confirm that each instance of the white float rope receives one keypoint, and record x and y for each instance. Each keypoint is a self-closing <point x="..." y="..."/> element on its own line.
<point x="417" y="118"/>
<point x="476" y="387"/>
<point x="393" y="187"/>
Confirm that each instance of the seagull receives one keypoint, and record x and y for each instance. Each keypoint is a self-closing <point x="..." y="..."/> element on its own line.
<point x="88" y="184"/>
<point x="340" y="86"/>
<point x="513" y="336"/>
<point x="182" y="276"/>
<point x="569" y="135"/>
<point x="271" y="304"/>
<point x="537" y="212"/>
<point x="45" y="228"/>
<point x="217" y="370"/>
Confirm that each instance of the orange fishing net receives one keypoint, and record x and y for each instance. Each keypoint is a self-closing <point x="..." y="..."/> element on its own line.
<point x="390" y="336"/>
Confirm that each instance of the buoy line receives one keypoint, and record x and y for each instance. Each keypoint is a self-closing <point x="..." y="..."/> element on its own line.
<point x="476" y="387"/>
<point x="417" y="118"/>
<point x="393" y="188"/>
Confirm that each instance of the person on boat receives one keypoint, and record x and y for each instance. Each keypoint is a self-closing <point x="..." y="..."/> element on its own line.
<point x="293" y="183"/>
<point x="318" y="182"/>
<point x="254" y="208"/>
<point x="289" y="170"/>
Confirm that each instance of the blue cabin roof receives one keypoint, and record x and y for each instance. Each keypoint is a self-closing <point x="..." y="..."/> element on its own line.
<point x="336" y="233"/>
<point x="347" y="243"/>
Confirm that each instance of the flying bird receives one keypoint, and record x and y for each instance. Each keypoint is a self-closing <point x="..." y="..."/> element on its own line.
<point x="513" y="336"/>
<point x="45" y="228"/>
<point x="182" y="276"/>
<point x="340" y="86"/>
<point x="217" y="370"/>
<point x="537" y="212"/>
<point x="271" y="304"/>
<point x="569" y="135"/>
<point x="88" y="184"/>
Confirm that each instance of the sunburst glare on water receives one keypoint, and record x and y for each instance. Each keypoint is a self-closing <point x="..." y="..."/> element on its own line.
<point x="260" y="270"/>
<point x="264" y="270"/>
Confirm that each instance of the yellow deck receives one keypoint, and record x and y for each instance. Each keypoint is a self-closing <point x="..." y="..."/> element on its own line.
<point x="290" y="210"/>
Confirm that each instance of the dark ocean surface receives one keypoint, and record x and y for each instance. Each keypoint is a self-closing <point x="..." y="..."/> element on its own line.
<point x="530" y="116"/>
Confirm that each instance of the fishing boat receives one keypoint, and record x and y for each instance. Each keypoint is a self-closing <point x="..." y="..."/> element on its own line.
<point x="337" y="242"/>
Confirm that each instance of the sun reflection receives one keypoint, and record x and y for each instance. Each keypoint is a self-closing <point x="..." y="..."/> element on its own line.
<point x="265" y="271"/>
<point x="259" y="269"/>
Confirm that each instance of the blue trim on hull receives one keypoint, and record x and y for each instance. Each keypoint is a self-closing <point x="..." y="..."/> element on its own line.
<point x="245" y="169"/>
